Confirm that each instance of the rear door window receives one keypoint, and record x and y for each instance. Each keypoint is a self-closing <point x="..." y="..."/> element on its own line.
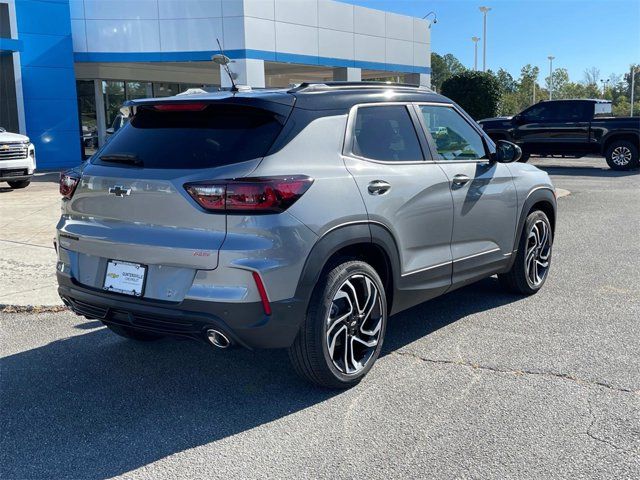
<point x="214" y="136"/>
<point x="386" y="133"/>
<point x="573" y="111"/>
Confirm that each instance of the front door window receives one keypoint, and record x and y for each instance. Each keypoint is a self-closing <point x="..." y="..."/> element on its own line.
<point x="452" y="135"/>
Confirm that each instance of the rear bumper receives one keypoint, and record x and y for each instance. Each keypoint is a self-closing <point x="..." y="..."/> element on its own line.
<point x="244" y="323"/>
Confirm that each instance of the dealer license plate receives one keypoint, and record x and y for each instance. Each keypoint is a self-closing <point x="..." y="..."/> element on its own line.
<point x="125" y="277"/>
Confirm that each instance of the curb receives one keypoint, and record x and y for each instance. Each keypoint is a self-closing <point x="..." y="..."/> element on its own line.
<point x="32" y="308"/>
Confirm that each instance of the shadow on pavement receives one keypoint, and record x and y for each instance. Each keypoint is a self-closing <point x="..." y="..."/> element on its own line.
<point x="48" y="177"/>
<point x="95" y="406"/>
<point x="574" y="171"/>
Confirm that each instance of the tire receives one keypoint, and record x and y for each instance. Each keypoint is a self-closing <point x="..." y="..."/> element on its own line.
<point x="534" y="248"/>
<point x="133" y="334"/>
<point x="19" y="183"/>
<point x="622" y="155"/>
<point x="329" y="334"/>
<point x="524" y="158"/>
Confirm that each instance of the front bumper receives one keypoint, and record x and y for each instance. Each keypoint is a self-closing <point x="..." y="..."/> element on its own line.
<point x="14" y="174"/>
<point x="245" y="324"/>
<point x="18" y="169"/>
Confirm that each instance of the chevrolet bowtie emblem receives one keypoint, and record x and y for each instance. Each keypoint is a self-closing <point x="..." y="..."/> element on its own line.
<point x="120" y="191"/>
<point x="4" y="147"/>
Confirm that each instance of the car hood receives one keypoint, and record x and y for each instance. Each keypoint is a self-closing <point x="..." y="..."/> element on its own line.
<point x="496" y="118"/>
<point x="495" y="122"/>
<point x="6" y="137"/>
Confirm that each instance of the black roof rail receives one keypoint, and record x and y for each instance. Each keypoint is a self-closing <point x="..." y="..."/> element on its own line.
<point x="328" y="86"/>
<point x="595" y="100"/>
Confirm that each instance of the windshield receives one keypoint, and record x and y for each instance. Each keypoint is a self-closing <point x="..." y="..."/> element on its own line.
<point x="214" y="136"/>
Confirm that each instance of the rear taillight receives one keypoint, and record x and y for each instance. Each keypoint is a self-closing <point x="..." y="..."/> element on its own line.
<point x="250" y="195"/>
<point x="68" y="183"/>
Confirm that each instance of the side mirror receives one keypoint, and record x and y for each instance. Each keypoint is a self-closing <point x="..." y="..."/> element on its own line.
<point x="110" y="131"/>
<point x="507" y="152"/>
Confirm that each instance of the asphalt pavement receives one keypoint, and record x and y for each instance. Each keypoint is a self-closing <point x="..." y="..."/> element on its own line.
<point x="475" y="384"/>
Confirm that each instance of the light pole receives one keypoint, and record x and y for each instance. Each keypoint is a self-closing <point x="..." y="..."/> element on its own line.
<point x="484" y="11"/>
<point x="475" y="52"/>
<point x="633" y="87"/>
<point x="605" y="84"/>
<point x="551" y="57"/>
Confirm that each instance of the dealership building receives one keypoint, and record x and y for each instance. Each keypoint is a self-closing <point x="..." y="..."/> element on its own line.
<point x="66" y="66"/>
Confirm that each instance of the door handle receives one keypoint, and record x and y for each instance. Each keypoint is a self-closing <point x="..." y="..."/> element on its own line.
<point x="460" y="179"/>
<point x="378" y="187"/>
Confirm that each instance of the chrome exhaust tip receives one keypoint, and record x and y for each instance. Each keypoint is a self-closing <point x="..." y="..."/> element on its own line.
<point x="218" y="339"/>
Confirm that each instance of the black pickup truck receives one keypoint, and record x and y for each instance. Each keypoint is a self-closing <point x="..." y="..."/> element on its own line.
<point x="571" y="128"/>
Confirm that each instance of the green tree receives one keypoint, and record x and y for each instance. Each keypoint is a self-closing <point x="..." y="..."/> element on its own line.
<point x="506" y="81"/>
<point x="573" y="90"/>
<point x="443" y="67"/>
<point x="627" y="80"/>
<point x="476" y="92"/>
<point x="527" y="83"/>
<point x="591" y="90"/>
<point x="560" y="80"/>
<point x="509" y="104"/>
<point x="591" y="76"/>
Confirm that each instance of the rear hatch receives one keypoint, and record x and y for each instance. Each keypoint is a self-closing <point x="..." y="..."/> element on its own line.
<point x="131" y="205"/>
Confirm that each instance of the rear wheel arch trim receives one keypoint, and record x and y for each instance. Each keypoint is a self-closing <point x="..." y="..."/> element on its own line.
<point x="343" y="236"/>
<point x="619" y="137"/>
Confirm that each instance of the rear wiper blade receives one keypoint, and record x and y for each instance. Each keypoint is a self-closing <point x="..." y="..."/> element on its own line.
<point x="121" y="158"/>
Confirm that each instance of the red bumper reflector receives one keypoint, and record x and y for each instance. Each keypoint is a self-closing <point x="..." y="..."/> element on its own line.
<point x="263" y="293"/>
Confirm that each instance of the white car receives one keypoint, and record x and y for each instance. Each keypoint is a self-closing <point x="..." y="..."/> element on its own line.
<point x="17" y="159"/>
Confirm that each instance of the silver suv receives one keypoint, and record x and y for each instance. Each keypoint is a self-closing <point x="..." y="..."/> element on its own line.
<point x="297" y="219"/>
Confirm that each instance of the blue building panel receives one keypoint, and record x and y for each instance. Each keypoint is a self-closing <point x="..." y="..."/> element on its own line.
<point x="55" y="83"/>
<point x="45" y="50"/>
<point x="53" y="115"/>
<point x="10" y="45"/>
<point x="48" y="81"/>
<point x="59" y="148"/>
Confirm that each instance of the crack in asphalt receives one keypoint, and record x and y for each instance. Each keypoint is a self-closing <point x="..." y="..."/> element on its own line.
<point x="600" y="439"/>
<point x="542" y="373"/>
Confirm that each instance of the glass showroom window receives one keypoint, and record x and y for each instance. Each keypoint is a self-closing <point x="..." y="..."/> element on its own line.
<point x="113" y="93"/>
<point x="165" y="89"/>
<point x="135" y="90"/>
<point x="88" y="116"/>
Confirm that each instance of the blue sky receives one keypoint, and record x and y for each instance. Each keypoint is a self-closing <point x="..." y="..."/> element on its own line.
<point x="579" y="33"/>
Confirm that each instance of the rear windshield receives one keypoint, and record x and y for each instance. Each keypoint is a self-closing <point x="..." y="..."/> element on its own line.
<point x="218" y="135"/>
